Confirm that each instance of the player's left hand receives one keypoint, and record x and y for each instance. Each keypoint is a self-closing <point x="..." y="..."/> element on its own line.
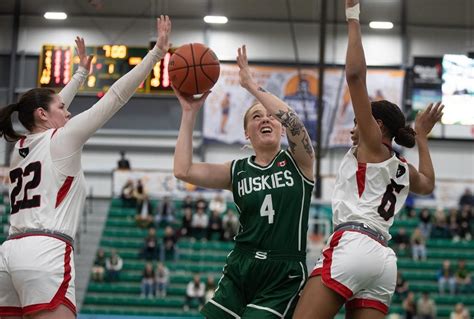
<point x="84" y="60"/>
<point x="163" y="27"/>
<point x="426" y="120"/>
<point x="245" y="77"/>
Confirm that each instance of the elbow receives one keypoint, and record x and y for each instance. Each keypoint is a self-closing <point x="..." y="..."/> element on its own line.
<point x="179" y="174"/>
<point x="354" y="75"/>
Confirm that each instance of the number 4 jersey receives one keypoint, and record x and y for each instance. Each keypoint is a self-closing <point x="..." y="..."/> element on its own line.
<point x="41" y="197"/>
<point x="370" y="193"/>
<point x="273" y="202"/>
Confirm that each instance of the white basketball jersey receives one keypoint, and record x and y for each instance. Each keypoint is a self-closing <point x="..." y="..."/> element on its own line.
<point x="370" y="193"/>
<point x="40" y="196"/>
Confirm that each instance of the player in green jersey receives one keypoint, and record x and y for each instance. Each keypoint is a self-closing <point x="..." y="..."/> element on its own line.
<point x="266" y="270"/>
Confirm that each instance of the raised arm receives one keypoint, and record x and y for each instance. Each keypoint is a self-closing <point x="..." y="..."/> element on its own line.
<point x="356" y="71"/>
<point x="200" y="174"/>
<point x="422" y="181"/>
<point x="300" y="144"/>
<point x="68" y="93"/>
<point x="70" y="139"/>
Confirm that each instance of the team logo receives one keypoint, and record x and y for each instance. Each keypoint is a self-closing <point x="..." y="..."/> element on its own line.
<point x="281" y="164"/>
<point x="261" y="255"/>
<point x="400" y="171"/>
<point x="24" y="152"/>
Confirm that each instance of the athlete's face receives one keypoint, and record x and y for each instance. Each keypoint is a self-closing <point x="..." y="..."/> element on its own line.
<point x="56" y="116"/>
<point x="262" y="127"/>
<point x="355" y="134"/>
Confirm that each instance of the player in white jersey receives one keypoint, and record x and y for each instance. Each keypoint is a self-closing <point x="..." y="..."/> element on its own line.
<point x="357" y="268"/>
<point x="47" y="189"/>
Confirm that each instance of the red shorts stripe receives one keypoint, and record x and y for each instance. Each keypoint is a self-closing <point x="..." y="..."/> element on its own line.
<point x="60" y="296"/>
<point x="10" y="311"/>
<point x="316" y="272"/>
<point x="367" y="303"/>
<point x="326" y="270"/>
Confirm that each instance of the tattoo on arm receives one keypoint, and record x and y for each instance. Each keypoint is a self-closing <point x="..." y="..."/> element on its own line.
<point x="292" y="146"/>
<point x="261" y="89"/>
<point x="307" y="145"/>
<point x="291" y="121"/>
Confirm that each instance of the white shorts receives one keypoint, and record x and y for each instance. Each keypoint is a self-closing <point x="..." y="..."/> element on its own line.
<point x="359" y="268"/>
<point x="36" y="274"/>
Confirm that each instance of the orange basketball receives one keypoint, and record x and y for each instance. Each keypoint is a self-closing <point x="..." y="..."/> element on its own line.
<point x="193" y="69"/>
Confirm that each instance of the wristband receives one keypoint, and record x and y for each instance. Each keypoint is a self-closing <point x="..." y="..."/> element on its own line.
<point x="353" y="12"/>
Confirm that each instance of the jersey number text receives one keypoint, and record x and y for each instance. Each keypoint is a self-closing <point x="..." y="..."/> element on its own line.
<point x="16" y="176"/>
<point x="387" y="207"/>
<point x="267" y="208"/>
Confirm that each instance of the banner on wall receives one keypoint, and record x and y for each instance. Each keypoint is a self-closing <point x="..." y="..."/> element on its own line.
<point x="225" y="107"/>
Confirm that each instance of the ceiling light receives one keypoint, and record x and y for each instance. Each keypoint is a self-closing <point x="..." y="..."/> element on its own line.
<point x="215" y="19"/>
<point x="381" y="25"/>
<point x="55" y="15"/>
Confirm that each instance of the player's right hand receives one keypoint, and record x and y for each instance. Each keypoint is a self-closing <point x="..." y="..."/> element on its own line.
<point x="426" y="120"/>
<point x="163" y="27"/>
<point x="351" y="3"/>
<point x="84" y="60"/>
<point x="188" y="102"/>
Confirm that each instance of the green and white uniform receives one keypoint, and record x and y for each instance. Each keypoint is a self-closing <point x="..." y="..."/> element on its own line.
<point x="267" y="269"/>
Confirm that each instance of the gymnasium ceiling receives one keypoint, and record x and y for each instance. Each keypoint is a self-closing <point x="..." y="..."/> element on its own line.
<point x="442" y="13"/>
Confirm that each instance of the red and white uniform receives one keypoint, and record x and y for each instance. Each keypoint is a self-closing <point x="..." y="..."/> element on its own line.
<point x="353" y="264"/>
<point x="47" y="193"/>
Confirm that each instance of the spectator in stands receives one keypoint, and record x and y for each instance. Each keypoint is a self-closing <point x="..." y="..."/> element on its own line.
<point x="188" y="203"/>
<point x="169" y="245"/>
<point x="409" y="306"/>
<point x="426" y="307"/>
<point x="199" y="223"/>
<point x="425" y="222"/>
<point x="230" y="225"/>
<point x="463" y="277"/>
<point x="186" y="229"/>
<point x="162" y="279"/>
<point x="98" y="268"/>
<point x="113" y="265"/>
<point x="210" y="288"/>
<point x="418" y="245"/>
<point x="144" y="216"/>
<point x="195" y="292"/>
<point x="215" y="226"/>
<point x="466" y="199"/>
<point x="464" y="223"/>
<point x="123" y="163"/>
<point x="201" y="203"/>
<point x="409" y="205"/>
<point x="453" y="224"/>
<point x="150" y="247"/>
<point x="401" y="240"/>
<point x="401" y="288"/>
<point x="460" y="312"/>
<point x="165" y="212"/>
<point x="446" y="278"/>
<point x="440" y="227"/>
<point x="411" y="214"/>
<point x="218" y="204"/>
<point x="148" y="281"/>
<point x="127" y="194"/>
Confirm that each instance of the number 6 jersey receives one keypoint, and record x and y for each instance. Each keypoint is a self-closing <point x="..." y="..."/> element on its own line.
<point x="370" y="193"/>
<point x="273" y="202"/>
<point x="41" y="197"/>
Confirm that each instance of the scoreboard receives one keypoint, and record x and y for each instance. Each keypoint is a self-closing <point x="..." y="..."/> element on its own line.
<point x="57" y="64"/>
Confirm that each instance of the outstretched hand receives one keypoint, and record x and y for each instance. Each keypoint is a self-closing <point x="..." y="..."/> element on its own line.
<point x="188" y="102"/>
<point x="245" y="77"/>
<point x="84" y="60"/>
<point x="163" y="27"/>
<point x="426" y="120"/>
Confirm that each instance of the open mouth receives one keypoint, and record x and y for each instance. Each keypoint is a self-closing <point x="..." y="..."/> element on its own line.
<point x="266" y="130"/>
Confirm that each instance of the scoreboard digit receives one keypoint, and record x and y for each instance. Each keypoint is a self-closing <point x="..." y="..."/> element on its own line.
<point x="55" y="66"/>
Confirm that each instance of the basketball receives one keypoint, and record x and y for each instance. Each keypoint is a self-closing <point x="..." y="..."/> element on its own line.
<point x="193" y="69"/>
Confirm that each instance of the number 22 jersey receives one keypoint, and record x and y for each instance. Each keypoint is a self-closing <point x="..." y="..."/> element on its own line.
<point x="41" y="197"/>
<point x="370" y="193"/>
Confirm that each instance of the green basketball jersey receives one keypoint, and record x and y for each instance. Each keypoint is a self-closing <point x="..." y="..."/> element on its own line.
<point x="273" y="202"/>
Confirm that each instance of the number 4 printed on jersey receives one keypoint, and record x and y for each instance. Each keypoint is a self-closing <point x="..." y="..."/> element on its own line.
<point x="267" y="208"/>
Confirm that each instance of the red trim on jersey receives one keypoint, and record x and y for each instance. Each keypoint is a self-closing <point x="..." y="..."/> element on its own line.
<point x="22" y="141"/>
<point x="316" y="272"/>
<point x="22" y="235"/>
<point x="54" y="132"/>
<point x="367" y="303"/>
<point x="401" y="158"/>
<point x="11" y="311"/>
<point x="64" y="190"/>
<point x="326" y="270"/>
<point x="68" y="303"/>
<point x="60" y="296"/>
<point x="360" y="174"/>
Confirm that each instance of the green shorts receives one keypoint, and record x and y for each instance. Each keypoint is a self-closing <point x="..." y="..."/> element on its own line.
<point x="257" y="284"/>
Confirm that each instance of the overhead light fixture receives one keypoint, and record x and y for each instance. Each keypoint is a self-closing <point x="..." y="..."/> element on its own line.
<point x="381" y="25"/>
<point x="55" y="15"/>
<point x="216" y="19"/>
